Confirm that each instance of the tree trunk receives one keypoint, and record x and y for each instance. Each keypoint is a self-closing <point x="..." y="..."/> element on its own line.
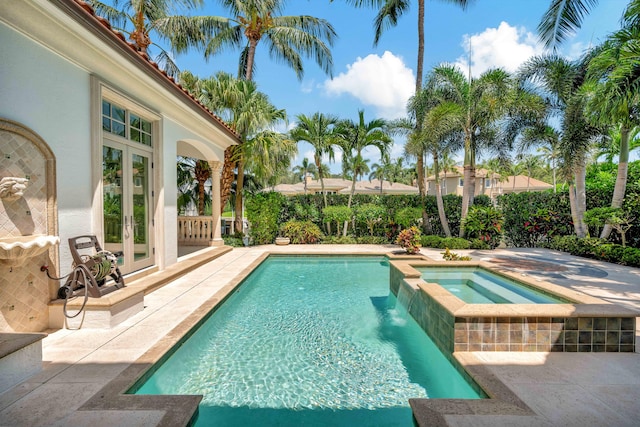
<point x="468" y="190"/>
<point x="420" y="171"/>
<point x="324" y="194"/>
<point x="621" y="178"/>
<point x="227" y="176"/>
<point x="353" y="190"/>
<point x="239" y="184"/>
<point x="580" y="201"/>
<point x="420" y="64"/>
<point x="440" y="203"/>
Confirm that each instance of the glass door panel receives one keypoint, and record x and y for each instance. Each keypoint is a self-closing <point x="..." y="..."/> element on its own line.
<point x="112" y="170"/>
<point x="127" y="205"/>
<point x="140" y="206"/>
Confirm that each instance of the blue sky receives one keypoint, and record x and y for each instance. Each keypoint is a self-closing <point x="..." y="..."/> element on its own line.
<point x="380" y="79"/>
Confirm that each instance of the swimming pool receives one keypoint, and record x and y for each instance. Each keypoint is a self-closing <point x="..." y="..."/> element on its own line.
<point x="476" y="285"/>
<point x="310" y="341"/>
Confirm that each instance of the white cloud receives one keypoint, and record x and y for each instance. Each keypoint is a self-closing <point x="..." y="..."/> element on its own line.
<point x="504" y="47"/>
<point x="383" y="82"/>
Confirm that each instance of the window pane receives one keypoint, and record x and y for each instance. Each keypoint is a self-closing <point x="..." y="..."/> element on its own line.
<point x="106" y="108"/>
<point x="117" y="128"/>
<point x="118" y="114"/>
<point x="135" y="135"/>
<point x="134" y="121"/>
<point x="106" y="124"/>
<point x="146" y="139"/>
<point x="146" y="126"/>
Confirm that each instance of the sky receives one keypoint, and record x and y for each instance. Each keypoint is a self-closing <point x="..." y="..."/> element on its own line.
<point x="380" y="79"/>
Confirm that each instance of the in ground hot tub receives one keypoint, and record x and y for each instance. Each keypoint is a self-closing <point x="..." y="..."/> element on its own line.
<point x="477" y="285"/>
<point x="480" y="307"/>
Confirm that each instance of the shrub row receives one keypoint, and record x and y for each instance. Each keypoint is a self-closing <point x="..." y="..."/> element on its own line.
<point x="596" y="248"/>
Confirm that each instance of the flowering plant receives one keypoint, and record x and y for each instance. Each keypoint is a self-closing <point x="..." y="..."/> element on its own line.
<point x="409" y="240"/>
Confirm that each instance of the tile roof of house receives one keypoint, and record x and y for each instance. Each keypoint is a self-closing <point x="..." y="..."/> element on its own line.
<point x="523" y="182"/>
<point x="83" y="10"/>
<point x="459" y="171"/>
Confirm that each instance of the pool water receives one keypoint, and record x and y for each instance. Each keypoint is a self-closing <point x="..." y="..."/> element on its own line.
<point x="311" y="341"/>
<point x="475" y="285"/>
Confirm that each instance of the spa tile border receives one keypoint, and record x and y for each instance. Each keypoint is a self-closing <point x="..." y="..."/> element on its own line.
<point x="587" y="325"/>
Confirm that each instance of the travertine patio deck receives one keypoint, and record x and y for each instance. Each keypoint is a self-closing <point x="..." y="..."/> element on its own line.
<point x="560" y="389"/>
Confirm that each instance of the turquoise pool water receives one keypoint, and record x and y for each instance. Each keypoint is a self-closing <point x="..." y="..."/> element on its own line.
<point x="313" y="341"/>
<point x="478" y="286"/>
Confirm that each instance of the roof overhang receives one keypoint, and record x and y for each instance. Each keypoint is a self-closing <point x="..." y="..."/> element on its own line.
<point x="70" y="29"/>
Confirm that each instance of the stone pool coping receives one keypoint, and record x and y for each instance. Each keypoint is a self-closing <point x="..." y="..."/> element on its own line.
<point x="182" y="409"/>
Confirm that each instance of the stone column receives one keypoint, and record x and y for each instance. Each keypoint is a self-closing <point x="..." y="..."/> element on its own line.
<point x="216" y="168"/>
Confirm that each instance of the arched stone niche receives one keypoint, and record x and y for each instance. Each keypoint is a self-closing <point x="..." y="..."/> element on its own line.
<point x="25" y="291"/>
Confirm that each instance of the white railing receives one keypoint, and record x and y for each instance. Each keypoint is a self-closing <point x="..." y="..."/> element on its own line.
<point x="198" y="230"/>
<point x="195" y="230"/>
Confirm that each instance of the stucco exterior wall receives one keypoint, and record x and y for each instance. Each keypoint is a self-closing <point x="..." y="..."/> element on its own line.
<point x="51" y="96"/>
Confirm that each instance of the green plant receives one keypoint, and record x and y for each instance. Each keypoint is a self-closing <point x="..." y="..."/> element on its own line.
<point x="431" y="241"/>
<point x="337" y="214"/>
<point x="408" y="217"/>
<point x="484" y="223"/>
<point x="409" y="240"/>
<point x="372" y="240"/>
<point x="301" y="232"/>
<point x="371" y="215"/>
<point x="545" y="224"/>
<point x="447" y="255"/>
<point x="339" y="240"/>
<point x="263" y="213"/>
<point x="455" y="243"/>
<point x="478" y="244"/>
<point x="620" y="220"/>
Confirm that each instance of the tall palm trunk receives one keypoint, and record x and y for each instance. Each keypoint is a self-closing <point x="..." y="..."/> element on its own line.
<point x="419" y="71"/>
<point x="318" y="161"/>
<point x="227" y="176"/>
<point x="577" y="200"/>
<point x="239" y="185"/>
<point x="621" y="178"/>
<point x="469" y="176"/>
<point x="353" y="190"/>
<point x="420" y="171"/>
<point x="419" y="66"/>
<point x="439" y="202"/>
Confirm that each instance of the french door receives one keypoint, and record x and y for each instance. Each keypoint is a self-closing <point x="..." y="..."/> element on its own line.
<point x="127" y="204"/>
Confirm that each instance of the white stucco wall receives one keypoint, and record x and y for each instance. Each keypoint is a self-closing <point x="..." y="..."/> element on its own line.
<point x="51" y="96"/>
<point x="47" y="86"/>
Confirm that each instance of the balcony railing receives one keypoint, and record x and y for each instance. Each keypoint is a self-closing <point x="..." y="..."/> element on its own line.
<point x="198" y="230"/>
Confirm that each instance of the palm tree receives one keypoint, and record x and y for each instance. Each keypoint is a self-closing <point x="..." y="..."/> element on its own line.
<point x="317" y="130"/>
<point x="562" y="19"/>
<point x="138" y="18"/>
<point x="560" y="80"/>
<point x="437" y="132"/>
<point x="529" y="163"/>
<point x="268" y="155"/>
<point x="547" y="139"/>
<point x="613" y="92"/>
<point x="480" y="104"/>
<point x="389" y="11"/>
<point x="288" y="37"/>
<point x="250" y="113"/>
<point x="380" y="171"/>
<point x="354" y="137"/>
<point x="305" y="169"/>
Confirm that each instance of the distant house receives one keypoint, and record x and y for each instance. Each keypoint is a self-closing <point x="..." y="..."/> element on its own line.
<point x="452" y="183"/>
<point x="343" y="186"/>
